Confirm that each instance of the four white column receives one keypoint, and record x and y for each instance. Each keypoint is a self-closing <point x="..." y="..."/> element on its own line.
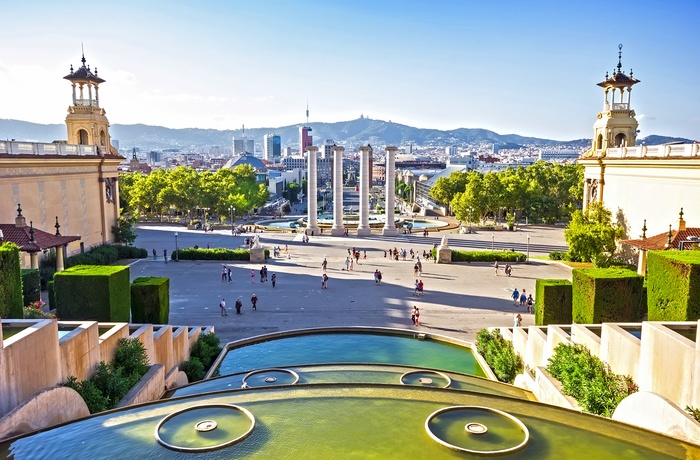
<point x="389" y="191"/>
<point x="338" y="227"/>
<point x="363" y="229"/>
<point x="312" y="190"/>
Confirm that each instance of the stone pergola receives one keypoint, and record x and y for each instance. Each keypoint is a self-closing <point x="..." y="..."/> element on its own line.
<point x="34" y="241"/>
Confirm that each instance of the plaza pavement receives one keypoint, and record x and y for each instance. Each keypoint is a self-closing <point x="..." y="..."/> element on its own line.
<point x="459" y="299"/>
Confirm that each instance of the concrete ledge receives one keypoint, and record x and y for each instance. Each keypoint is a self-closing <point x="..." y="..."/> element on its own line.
<point x="656" y="413"/>
<point x="581" y="334"/>
<point x="536" y="352"/>
<point x="621" y="350"/>
<point x="548" y="390"/>
<point x="150" y="388"/>
<point x="48" y="407"/>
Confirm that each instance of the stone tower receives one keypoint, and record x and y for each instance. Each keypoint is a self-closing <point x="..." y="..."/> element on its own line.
<point x="616" y="125"/>
<point x="86" y="121"/>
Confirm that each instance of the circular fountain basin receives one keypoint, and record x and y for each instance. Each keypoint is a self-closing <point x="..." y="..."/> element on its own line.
<point x="204" y="428"/>
<point x="477" y="430"/>
<point x="269" y="377"/>
<point x="426" y="378"/>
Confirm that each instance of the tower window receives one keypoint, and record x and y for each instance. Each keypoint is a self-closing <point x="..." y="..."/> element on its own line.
<point x="599" y="142"/>
<point x="83" y="137"/>
<point x="620" y="140"/>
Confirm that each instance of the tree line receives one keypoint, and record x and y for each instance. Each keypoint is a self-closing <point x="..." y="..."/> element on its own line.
<point x="184" y="190"/>
<point x="543" y="192"/>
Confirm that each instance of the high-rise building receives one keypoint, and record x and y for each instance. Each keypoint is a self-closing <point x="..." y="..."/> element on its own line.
<point x="327" y="151"/>
<point x="272" y="148"/>
<point x="287" y="152"/>
<point x="305" y="139"/>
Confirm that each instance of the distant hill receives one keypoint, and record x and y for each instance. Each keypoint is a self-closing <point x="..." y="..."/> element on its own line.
<point x="349" y="133"/>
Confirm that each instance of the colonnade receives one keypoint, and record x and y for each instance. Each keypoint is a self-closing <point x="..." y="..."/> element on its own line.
<point x="363" y="229"/>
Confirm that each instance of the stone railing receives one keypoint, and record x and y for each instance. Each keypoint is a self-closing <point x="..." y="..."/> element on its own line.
<point x="656" y="151"/>
<point x="36" y="148"/>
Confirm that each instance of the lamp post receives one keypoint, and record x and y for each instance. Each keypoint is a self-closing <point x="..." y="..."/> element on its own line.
<point x="471" y="210"/>
<point x="492" y="241"/>
<point x="177" y="256"/>
<point x="231" y="209"/>
<point x="528" y="249"/>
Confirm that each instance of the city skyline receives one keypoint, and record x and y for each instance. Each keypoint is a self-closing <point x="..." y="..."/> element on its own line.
<point x="523" y="69"/>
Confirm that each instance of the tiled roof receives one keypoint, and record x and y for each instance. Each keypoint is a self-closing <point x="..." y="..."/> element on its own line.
<point x="658" y="242"/>
<point x="42" y="240"/>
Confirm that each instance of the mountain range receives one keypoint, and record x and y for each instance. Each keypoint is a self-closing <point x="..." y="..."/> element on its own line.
<point x="349" y="133"/>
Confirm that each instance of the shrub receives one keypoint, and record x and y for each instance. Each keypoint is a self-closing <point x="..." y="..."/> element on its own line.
<point x="693" y="412"/>
<point x="52" y="295"/>
<point x="150" y="300"/>
<point x="194" y="369"/>
<point x="214" y="254"/>
<point x="31" y="285"/>
<point x="553" y="302"/>
<point x="111" y="382"/>
<point x="98" y="293"/>
<point x="556" y="255"/>
<point x="35" y="310"/>
<point x="499" y="354"/>
<point x="10" y="282"/>
<point x="606" y="295"/>
<point x="673" y="285"/>
<point x="487" y="256"/>
<point x="103" y="255"/>
<point x="587" y="379"/>
<point x="203" y="353"/>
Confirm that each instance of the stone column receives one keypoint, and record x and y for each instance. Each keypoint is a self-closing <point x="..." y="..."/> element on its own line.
<point x="363" y="229"/>
<point x="59" y="258"/>
<point x="312" y="190"/>
<point x="338" y="227"/>
<point x="389" y="192"/>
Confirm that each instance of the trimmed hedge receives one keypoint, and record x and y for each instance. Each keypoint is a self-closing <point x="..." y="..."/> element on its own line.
<point x="487" y="256"/>
<point x="10" y="282"/>
<point x="150" y="300"/>
<point x="52" y="295"/>
<point x="553" y="302"/>
<point x="31" y="285"/>
<point x="214" y="254"/>
<point x="673" y="284"/>
<point x="105" y="255"/>
<point x="606" y="295"/>
<point x="93" y="292"/>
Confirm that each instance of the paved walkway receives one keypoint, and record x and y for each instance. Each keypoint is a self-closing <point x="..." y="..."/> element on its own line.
<point x="459" y="299"/>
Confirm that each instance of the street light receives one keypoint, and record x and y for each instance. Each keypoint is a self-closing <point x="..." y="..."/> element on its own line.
<point x="177" y="256"/>
<point x="492" y="240"/>
<point x="231" y="210"/>
<point x="528" y="248"/>
<point x="470" y="218"/>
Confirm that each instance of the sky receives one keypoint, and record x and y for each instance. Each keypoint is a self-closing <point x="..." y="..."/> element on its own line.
<point x="514" y="67"/>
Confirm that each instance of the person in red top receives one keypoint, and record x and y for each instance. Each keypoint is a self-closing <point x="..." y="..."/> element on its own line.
<point x="420" y="287"/>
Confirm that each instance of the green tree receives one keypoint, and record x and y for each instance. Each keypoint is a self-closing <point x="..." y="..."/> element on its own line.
<point x="291" y="191"/>
<point x="123" y="230"/>
<point x="591" y="235"/>
<point x="446" y="188"/>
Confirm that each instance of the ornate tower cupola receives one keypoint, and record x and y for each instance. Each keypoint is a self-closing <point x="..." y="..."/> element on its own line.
<point x="86" y="121"/>
<point x="616" y="125"/>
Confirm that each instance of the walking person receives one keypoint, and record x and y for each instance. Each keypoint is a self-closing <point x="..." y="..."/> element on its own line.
<point x="254" y="301"/>
<point x="415" y="288"/>
<point x="238" y="305"/>
<point x="517" y="320"/>
<point x="530" y="303"/>
<point x="324" y="264"/>
<point x="523" y="298"/>
<point x="274" y="279"/>
<point x="347" y="263"/>
<point x="262" y="274"/>
<point x="495" y="266"/>
<point x="265" y="272"/>
<point x="222" y="306"/>
<point x="417" y="316"/>
<point x="155" y="254"/>
<point x="252" y="276"/>
<point x="515" y="296"/>
<point x="420" y="288"/>
<point x="223" y="274"/>
<point x="415" y="270"/>
<point x="379" y="277"/>
<point x="413" y="314"/>
<point x="324" y="281"/>
<point x="165" y="255"/>
<point x="228" y="272"/>
<point x="376" y="276"/>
